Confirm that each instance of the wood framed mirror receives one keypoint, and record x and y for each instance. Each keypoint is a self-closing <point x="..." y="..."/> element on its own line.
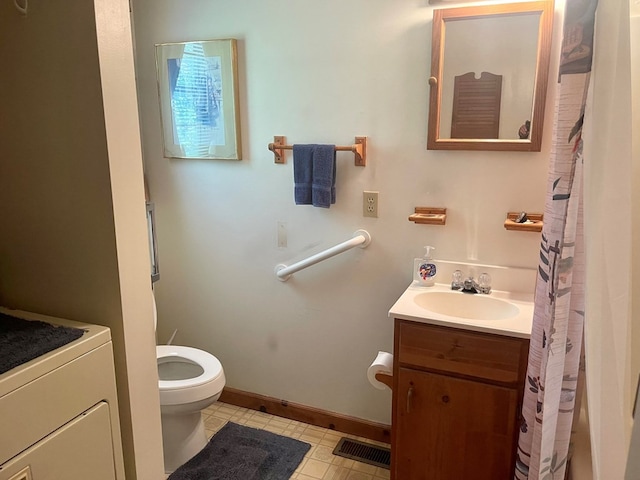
<point x="489" y="75"/>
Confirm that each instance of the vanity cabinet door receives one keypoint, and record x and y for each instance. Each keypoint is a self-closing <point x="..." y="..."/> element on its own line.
<point x="450" y="428"/>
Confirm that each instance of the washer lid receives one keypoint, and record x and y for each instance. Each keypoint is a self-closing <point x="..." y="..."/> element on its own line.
<point x="183" y="367"/>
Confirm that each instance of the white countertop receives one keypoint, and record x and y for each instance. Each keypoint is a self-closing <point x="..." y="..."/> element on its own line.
<point x="518" y="325"/>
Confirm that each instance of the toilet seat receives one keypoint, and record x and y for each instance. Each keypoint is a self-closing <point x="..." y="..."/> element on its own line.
<point x="208" y="384"/>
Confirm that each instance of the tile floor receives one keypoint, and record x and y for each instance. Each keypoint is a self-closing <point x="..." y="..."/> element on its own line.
<point x="319" y="463"/>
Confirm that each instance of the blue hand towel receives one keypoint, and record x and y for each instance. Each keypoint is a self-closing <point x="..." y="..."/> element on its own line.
<point x="324" y="176"/>
<point x="302" y="173"/>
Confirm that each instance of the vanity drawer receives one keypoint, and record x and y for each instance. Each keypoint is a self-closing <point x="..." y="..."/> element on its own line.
<point x="471" y="354"/>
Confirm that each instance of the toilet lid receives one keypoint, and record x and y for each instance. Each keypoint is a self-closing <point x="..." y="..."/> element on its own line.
<point x="210" y="365"/>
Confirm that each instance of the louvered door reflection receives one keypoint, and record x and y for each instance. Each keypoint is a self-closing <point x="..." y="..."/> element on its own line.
<point x="476" y="106"/>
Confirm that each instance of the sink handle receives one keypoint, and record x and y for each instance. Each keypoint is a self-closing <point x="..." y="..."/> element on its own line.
<point x="484" y="283"/>
<point x="456" y="280"/>
<point x="469" y="285"/>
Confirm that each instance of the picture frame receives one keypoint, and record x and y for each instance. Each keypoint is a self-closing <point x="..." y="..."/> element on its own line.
<point x="198" y="96"/>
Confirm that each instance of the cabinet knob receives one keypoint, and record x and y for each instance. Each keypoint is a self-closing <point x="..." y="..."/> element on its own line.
<point x="445" y="398"/>
<point x="409" y="398"/>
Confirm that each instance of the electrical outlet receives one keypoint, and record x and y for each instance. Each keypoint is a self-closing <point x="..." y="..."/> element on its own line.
<point x="370" y="204"/>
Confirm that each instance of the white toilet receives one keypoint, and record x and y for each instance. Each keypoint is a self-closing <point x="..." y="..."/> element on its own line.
<point x="190" y="381"/>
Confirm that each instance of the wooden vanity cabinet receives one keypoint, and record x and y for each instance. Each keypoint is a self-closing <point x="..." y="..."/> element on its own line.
<point x="456" y="403"/>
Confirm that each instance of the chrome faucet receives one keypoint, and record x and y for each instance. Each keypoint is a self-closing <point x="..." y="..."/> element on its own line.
<point x="469" y="285"/>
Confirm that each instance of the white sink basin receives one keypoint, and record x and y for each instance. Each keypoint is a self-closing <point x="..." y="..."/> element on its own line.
<point x="503" y="313"/>
<point x="466" y="305"/>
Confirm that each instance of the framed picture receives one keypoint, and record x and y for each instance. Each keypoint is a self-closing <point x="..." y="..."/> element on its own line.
<point x="198" y="90"/>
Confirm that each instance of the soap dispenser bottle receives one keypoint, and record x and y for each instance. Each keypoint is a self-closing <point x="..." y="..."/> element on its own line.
<point x="424" y="269"/>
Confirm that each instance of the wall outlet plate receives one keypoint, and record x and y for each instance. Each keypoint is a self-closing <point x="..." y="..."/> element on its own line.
<point x="370" y="204"/>
<point x="282" y="235"/>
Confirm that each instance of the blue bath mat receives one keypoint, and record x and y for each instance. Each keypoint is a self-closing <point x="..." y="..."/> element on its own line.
<point x="23" y="340"/>
<point x="237" y="452"/>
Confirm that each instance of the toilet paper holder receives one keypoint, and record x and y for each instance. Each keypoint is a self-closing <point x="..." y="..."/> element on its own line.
<point x="385" y="378"/>
<point x="380" y="372"/>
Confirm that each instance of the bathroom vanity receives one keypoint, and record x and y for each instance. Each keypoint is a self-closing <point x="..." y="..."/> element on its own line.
<point x="58" y="412"/>
<point x="458" y="383"/>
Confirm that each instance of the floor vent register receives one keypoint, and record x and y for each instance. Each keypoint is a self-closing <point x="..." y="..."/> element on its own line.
<point x="363" y="452"/>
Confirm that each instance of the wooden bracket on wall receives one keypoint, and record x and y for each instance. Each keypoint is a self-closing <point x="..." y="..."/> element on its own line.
<point x="359" y="149"/>
<point x="429" y="216"/>
<point x="278" y="153"/>
<point x="385" y="378"/>
<point x="533" y="223"/>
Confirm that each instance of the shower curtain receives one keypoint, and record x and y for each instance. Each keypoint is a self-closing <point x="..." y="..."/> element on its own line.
<point x="568" y="295"/>
<point x="556" y="338"/>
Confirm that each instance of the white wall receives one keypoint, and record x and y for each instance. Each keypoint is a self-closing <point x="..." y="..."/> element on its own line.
<point x="73" y="241"/>
<point x="317" y="72"/>
<point x="608" y="198"/>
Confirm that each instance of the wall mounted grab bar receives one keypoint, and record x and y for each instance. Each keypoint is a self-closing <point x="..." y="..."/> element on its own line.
<point x="361" y="238"/>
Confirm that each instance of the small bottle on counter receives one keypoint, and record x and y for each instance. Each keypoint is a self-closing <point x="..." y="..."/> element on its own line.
<point x="424" y="269"/>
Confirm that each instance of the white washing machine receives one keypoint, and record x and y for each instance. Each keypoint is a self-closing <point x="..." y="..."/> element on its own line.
<point x="58" y="412"/>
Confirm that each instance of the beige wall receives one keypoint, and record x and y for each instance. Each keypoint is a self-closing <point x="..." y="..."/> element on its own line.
<point x="633" y="465"/>
<point x="317" y="72"/>
<point x="635" y="85"/>
<point x="115" y="49"/>
<point x="73" y="239"/>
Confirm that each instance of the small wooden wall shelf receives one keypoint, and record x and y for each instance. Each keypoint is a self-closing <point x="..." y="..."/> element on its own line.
<point x="359" y="149"/>
<point x="533" y="225"/>
<point x="429" y="216"/>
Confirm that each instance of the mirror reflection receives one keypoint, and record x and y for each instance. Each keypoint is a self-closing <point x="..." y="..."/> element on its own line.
<point x="499" y="54"/>
<point x="489" y="68"/>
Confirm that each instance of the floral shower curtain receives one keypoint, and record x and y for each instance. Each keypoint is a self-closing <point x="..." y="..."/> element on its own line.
<point x="556" y="338"/>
